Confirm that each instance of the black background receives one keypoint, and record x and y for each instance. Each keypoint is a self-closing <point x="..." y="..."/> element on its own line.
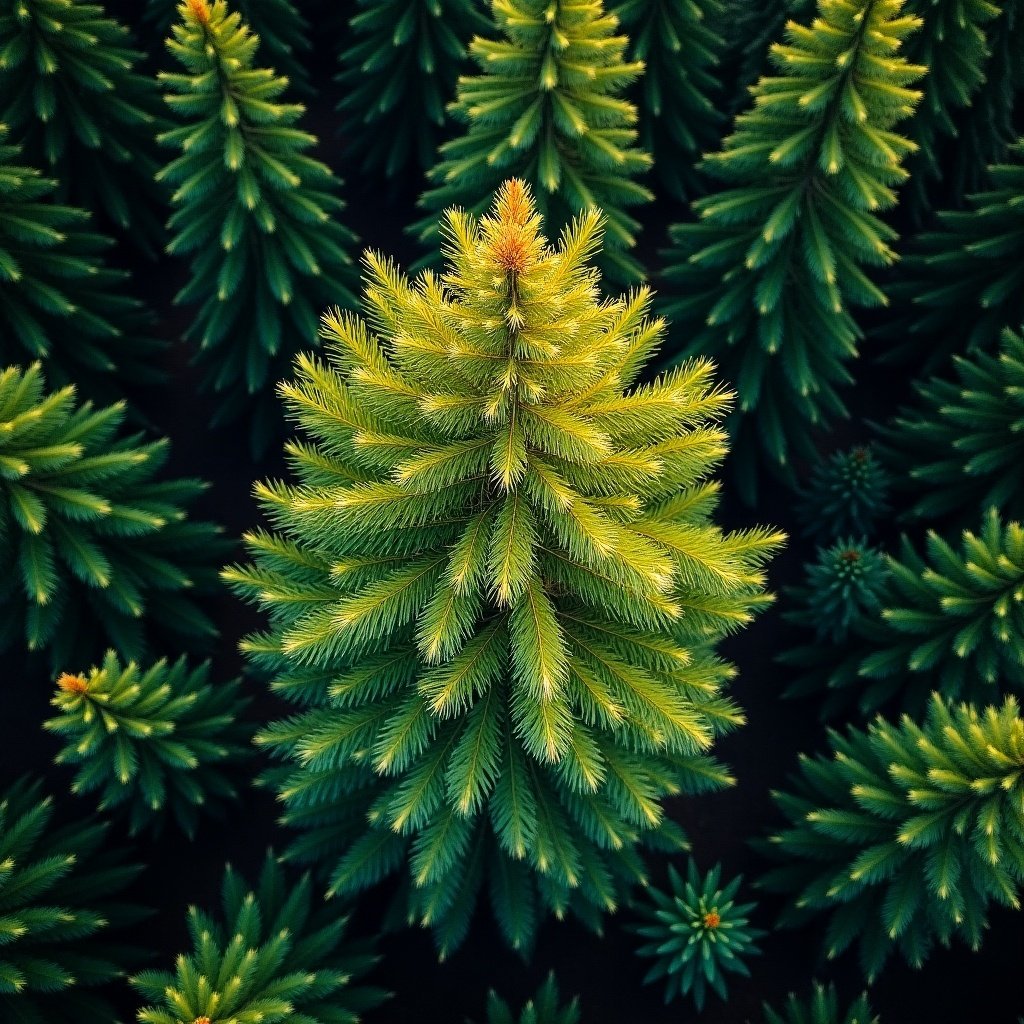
<point x="955" y="986"/>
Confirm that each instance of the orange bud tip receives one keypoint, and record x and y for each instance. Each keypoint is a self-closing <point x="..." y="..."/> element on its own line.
<point x="70" y="683"/>
<point x="712" y="919"/>
<point x="200" y="10"/>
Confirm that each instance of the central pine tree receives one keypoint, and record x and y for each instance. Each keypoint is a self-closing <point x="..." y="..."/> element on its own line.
<point x="496" y="588"/>
<point x="765" y="278"/>
<point x="548" y="109"/>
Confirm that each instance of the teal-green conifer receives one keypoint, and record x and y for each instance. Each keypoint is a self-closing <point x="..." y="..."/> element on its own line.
<point x="59" y="300"/>
<point x="681" y="97"/>
<point x="845" y="494"/>
<point x="94" y="551"/>
<point x="274" y="955"/>
<point x="697" y="934"/>
<point x="545" y="1007"/>
<point x="548" y="108"/>
<point x="151" y="740"/>
<point x="256" y="214"/>
<point x="765" y="279"/>
<point x="60" y="899"/>
<point x="71" y="94"/>
<point x="845" y="583"/>
<point x="397" y="74"/>
<point x="823" y="1007"/>
<point x="960" y="447"/>
<point x="837" y="610"/>
<point x="907" y="834"/>
<point x="495" y="589"/>
<point x="961" y="284"/>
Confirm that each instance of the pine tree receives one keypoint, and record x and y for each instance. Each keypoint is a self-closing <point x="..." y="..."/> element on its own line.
<point x="823" y="1007"/>
<point x="847" y="493"/>
<point x="548" y="109"/>
<point x="274" y="955"/>
<point x="952" y="44"/>
<point x="845" y="583"/>
<point x="71" y="93"/>
<point x="961" y="284"/>
<point x="908" y="833"/>
<point x="91" y="545"/>
<point x="544" y="1008"/>
<point x="837" y="610"/>
<point x="397" y="73"/>
<point x="496" y="589"/>
<point x="766" y="277"/>
<point x="256" y="214"/>
<point x="60" y="898"/>
<point x="697" y="934"/>
<point x="680" y="46"/>
<point x="279" y="25"/>
<point x="151" y="739"/>
<point x="59" y="300"/>
<point x="961" y="446"/>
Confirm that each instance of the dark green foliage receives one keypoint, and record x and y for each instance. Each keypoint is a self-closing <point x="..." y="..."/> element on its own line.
<point x="765" y="279"/>
<point x="681" y="97"/>
<point x="496" y="589"/>
<point x="93" y="549"/>
<point x="58" y="905"/>
<point x="846" y="583"/>
<point x="961" y="446"/>
<point x="847" y="493"/>
<point x="908" y="833"/>
<point x="961" y="284"/>
<point x="59" y="301"/>
<point x="398" y="71"/>
<point x="70" y="94"/>
<point x="544" y="1008"/>
<point x="837" y="610"/>
<point x="274" y="955"/>
<point x="823" y="1007"/>
<point x="282" y="30"/>
<point x="750" y="29"/>
<point x="989" y="125"/>
<point x="697" y="933"/>
<point x="255" y="213"/>
<point x="956" y="619"/>
<point x="548" y="109"/>
<point x="952" y="44"/>
<point x="952" y="621"/>
<point x="153" y="740"/>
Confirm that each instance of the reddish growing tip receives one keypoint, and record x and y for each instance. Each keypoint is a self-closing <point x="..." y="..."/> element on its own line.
<point x="70" y="683"/>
